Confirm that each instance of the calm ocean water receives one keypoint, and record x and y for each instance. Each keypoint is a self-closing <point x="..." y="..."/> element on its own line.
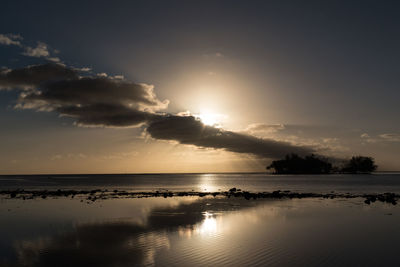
<point x="193" y="231"/>
<point x="199" y="231"/>
<point x="255" y="182"/>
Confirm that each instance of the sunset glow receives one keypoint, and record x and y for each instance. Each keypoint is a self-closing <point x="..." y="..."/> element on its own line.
<point x="211" y="119"/>
<point x="134" y="98"/>
<point x="199" y="133"/>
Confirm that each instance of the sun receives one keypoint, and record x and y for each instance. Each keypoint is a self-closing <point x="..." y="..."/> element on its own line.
<point x="208" y="119"/>
<point x="211" y="119"/>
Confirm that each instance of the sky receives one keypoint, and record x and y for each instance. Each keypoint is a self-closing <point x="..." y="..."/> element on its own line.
<point x="196" y="86"/>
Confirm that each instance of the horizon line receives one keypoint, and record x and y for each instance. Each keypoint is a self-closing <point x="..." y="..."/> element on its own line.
<point x="160" y="173"/>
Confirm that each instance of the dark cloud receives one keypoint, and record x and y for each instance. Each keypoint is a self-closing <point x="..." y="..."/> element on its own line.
<point x="35" y="76"/>
<point x="94" y="90"/>
<point x="90" y="100"/>
<point x="189" y="130"/>
<point x="110" y="102"/>
<point x="105" y="115"/>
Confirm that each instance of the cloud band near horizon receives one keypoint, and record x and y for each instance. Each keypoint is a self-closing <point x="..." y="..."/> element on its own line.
<point x="102" y="101"/>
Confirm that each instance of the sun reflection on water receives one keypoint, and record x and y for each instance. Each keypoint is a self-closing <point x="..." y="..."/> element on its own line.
<point x="207" y="183"/>
<point x="207" y="227"/>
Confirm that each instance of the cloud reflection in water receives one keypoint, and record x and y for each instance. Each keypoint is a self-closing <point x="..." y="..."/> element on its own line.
<point x="121" y="242"/>
<point x="220" y="231"/>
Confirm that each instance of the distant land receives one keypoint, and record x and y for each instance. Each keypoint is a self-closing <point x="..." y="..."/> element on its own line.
<point x="312" y="164"/>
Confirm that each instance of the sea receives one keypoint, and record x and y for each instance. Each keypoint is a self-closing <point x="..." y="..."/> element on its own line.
<point x="208" y="182"/>
<point x="199" y="231"/>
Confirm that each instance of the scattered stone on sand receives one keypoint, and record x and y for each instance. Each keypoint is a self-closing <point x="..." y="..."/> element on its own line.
<point x="93" y="195"/>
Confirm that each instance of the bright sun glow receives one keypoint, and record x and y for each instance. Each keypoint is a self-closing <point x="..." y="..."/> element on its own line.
<point x="209" y="225"/>
<point x="211" y="119"/>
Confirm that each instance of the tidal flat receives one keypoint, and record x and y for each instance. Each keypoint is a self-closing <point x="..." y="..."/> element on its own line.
<point x="194" y="230"/>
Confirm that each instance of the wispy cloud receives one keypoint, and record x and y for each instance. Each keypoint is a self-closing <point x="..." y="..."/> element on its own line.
<point x="365" y="135"/>
<point x="213" y="55"/>
<point x="386" y="137"/>
<point x="68" y="156"/>
<point x="264" y="128"/>
<point x="10" y="39"/>
<point x="53" y="59"/>
<point x="390" y="137"/>
<point x="41" y="50"/>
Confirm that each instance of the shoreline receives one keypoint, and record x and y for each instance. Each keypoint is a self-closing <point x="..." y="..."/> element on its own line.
<point x="98" y="194"/>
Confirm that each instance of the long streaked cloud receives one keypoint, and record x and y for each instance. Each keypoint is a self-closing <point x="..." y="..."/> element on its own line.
<point x="191" y="131"/>
<point x="390" y="137"/>
<point x="105" y="101"/>
<point x="264" y="128"/>
<point x="386" y="137"/>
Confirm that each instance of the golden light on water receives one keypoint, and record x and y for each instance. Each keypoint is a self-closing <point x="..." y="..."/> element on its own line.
<point x="207" y="183"/>
<point x="208" y="226"/>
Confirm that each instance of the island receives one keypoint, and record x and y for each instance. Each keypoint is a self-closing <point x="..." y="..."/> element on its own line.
<point x="312" y="164"/>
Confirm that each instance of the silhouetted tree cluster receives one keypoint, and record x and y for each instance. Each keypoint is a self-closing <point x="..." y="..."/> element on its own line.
<point x="359" y="164"/>
<point x="294" y="164"/>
